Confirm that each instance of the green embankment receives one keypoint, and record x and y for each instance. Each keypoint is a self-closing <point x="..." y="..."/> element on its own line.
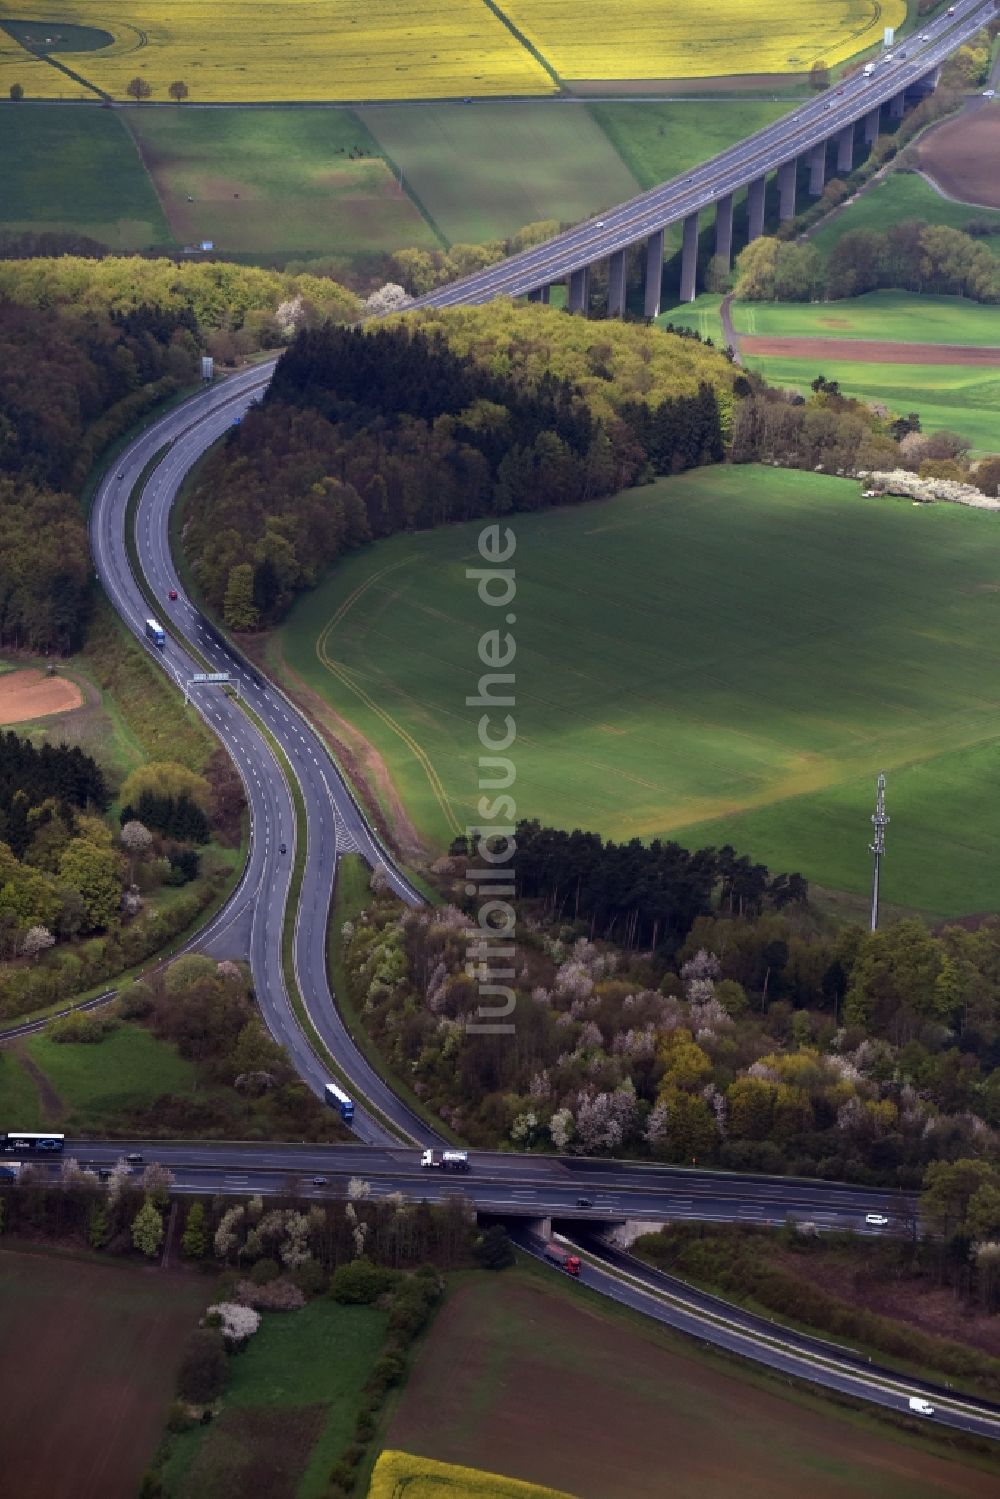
<point x="899" y="197"/>
<point x="733" y="654"/>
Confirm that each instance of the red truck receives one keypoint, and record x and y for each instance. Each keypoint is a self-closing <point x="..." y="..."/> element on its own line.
<point x="562" y="1257"/>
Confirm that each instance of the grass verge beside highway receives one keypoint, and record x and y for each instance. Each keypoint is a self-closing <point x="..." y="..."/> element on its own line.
<point x="350" y="897"/>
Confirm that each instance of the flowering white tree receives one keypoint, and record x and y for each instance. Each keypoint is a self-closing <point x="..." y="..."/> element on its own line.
<point x="704" y="965"/>
<point x="358" y="1188"/>
<point x="522" y="1131"/>
<point x="238" y="1323"/>
<point x="121" y="1173"/>
<point x="227" y="1235"/>
<point x="136" y="841"/>
<point x="156" y="1183"/>
<point x="36" y="940"/>
<point x="388" y="298"/>
<point x="605" y="1120"/>
<point x="561" y="1127"/>
<point x="295" y="1250"/>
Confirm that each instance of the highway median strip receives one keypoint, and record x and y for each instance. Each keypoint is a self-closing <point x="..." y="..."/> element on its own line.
<point x="289" y="969"/>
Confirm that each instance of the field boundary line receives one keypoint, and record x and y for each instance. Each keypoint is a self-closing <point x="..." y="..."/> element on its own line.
<point x="523" y="41"/>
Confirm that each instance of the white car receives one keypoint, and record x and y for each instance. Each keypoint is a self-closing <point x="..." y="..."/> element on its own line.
<point x="989" y="93"/>
<point x="877" y="1220"/>
<point x="919" y="1406"/>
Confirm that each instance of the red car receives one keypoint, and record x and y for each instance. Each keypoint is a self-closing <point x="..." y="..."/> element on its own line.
<point x="172" y="594"/>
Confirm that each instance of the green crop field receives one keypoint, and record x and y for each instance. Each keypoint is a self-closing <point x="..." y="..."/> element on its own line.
<point x="734" y="651"/>
<point x="530" y="1376"/>
<point x="658" y="141"/>
<point x="897" y="198"/>
<point x="290" y="1409"/>
<point x="958" y="397"/>
<point x="889" y="316"/>
<point x="701" y="315"/>
<point x="77" y="170"/>
<point x="276" y="181"/>
<point x="482" y="171"/>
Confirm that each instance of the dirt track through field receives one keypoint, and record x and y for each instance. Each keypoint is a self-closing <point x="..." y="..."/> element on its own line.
<point x="32" y="694"/>
<point x="869" y="351"/>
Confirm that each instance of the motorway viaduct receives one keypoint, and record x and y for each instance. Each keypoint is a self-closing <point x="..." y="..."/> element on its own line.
<point x="835" y="126"/>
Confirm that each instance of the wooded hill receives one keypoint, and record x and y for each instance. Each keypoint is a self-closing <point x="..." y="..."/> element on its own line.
<point x="435" y="418"/>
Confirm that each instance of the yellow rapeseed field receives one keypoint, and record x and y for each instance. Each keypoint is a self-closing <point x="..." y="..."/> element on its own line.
<point x="236" y="50"/>
<point x="698" y="38"/>
<point x="401" y="1475"/>
<point x="354" y="50"/>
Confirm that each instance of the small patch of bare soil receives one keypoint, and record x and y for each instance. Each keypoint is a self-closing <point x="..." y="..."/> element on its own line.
<point x="744" y="84"/>
<point x="34" y="694"/>
<point x="870" y="351"/>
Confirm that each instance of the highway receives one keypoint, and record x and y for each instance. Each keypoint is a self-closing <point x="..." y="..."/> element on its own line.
<point x="525" y="1185"/>
<point x="792" y="136"/>
<point x="252" y="921"/>
<point x="530" y="1188"/>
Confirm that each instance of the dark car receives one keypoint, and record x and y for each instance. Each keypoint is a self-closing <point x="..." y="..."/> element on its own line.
<point x="121" y="476"/>
<point x="135" y="1158"/>
<point x="319" y="1181"/>
<point x="585" y="1202"/>
<point x="104" y="1173"/>
<point x="172" y="594"/>
<point x="282" y="849"/>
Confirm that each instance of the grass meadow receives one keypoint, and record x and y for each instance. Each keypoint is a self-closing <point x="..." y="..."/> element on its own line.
<point x="958" y="397"/>
<point x="701" y="315"/>
<point x="526" y="1375"/>
<point x="888" y="316"/>
<point x="659" y="141"/>
<point x="85" y="1086"/>
<point x="290" y="1409"/>
<point x="897" y="198"/>
<point x="89" y="1353"/>
<point x="276" y="181"/>
<point x="483" y="171"/>
<point x="78" y="171"/>
<point x="731" y="654"/>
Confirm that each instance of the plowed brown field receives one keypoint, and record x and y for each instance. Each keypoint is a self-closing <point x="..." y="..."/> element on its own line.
<point x="88" y="1357"/>
<point x="869" y="351"/>
<point x="962" y="157"/>
<point x="538" y="1384"/>
<point x="32" y="694"/>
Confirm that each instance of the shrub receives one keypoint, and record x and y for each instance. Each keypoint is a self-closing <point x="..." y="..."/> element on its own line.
<point x="204" y="1371"/>
<point x="359" y="1282"/>
<point x="264" y="1271"/>
<point x="275" y="1296"/>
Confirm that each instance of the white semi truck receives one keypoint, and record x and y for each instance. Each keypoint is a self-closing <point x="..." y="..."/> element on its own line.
<point x="445" y="1160"/>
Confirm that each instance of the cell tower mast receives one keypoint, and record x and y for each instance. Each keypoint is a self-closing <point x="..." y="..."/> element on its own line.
<point x="877" y="846"/>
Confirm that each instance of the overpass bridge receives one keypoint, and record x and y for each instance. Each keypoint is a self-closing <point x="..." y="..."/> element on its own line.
<point x="835" y="126"/>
